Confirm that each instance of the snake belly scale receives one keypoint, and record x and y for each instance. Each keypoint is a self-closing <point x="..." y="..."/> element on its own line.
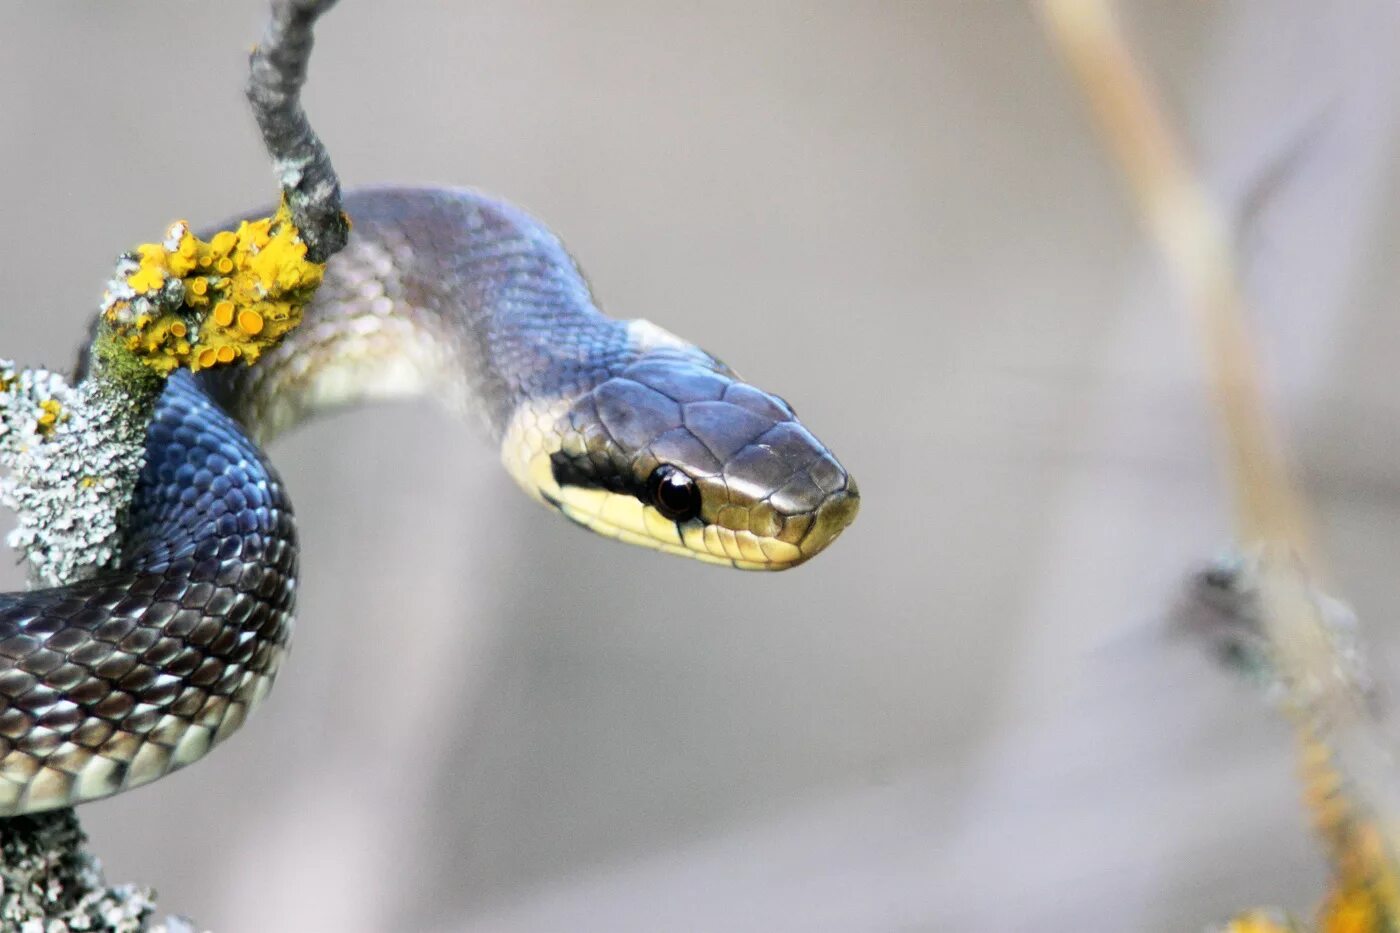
<point x="620" y="426"/>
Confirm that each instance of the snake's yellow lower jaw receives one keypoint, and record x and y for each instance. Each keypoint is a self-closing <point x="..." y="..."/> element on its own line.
<point x="627" y="519"/>
<point x="531" y="441"/>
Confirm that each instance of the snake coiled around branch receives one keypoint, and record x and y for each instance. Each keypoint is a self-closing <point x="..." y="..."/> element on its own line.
<point x="620" y="426"/>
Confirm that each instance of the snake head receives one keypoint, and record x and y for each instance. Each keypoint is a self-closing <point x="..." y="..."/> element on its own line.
<point x="675" y="452"/>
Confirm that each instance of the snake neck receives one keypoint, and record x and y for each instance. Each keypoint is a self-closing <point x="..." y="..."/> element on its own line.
<point x="444" y="293"/>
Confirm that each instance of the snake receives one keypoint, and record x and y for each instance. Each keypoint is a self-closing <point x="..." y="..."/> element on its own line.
<point x="619" y="426"/>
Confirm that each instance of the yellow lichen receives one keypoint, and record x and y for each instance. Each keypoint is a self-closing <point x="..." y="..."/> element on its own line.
<point x="187" y="302"/>
<point x="152" y="273"/>
<point x="1365" y="889"/>
<point x="1365" y="896"/>
<point x="250" y="322"/>
<point x="1258" y="921"/>
<point x="1354" y="910"/>
<point x="50" y="413"/>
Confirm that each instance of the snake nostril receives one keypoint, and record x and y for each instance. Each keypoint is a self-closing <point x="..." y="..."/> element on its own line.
<point x="841" y="509"/>
<point x="832" y="517"/>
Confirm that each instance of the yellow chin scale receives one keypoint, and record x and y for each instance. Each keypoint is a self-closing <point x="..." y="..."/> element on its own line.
<point x="532" y="439"/>
<point x="628" y="519"/>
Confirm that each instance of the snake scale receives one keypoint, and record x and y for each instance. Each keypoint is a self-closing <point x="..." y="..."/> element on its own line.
<point x="620" y="426"/>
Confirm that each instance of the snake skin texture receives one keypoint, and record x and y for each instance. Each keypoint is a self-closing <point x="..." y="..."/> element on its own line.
<point x="110" y="683"/>
<point x="448" y="294"/>
<point x="443" y="293"/>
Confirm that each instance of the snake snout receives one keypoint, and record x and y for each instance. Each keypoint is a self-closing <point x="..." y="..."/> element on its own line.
<point x="832" y="516"/>
<point x="828" y="520"/>
<point x="812" y="506"/>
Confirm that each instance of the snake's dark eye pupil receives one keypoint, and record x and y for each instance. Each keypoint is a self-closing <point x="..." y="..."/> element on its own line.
<point x="674" y="494"/>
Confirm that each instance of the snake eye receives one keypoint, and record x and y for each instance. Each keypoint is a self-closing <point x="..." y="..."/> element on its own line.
<point x="674" y="494"/>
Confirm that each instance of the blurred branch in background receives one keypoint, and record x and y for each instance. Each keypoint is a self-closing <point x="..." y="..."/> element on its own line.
<point x="73" y="453"/>
<point x="1350" y="781"/>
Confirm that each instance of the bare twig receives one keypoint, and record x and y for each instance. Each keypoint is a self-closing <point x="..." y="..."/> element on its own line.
<point x="276" y="73"/>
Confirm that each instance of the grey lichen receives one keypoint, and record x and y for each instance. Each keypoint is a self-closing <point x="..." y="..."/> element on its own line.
<point x="52" y="885"/>
<point x="124" y="304"/>
<point x="49" y="883"/>
<point x="72" y="455"/>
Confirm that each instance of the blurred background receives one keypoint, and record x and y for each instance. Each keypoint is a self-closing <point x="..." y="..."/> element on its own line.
<point x="970" y="713"/>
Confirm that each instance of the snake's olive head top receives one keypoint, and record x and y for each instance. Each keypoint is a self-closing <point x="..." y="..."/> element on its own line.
<point x="676" y="453"/>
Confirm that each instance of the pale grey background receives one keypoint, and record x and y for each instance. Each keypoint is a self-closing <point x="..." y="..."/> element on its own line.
<point x="966" y="715"/>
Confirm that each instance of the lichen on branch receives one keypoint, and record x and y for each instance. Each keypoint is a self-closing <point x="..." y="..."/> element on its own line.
<point x="187" y="302"/>
<point x="64" y="884"/>
<point x="71" y="454"/>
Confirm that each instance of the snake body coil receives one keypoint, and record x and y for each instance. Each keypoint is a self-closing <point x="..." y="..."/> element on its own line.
<point x="623" y="428"/>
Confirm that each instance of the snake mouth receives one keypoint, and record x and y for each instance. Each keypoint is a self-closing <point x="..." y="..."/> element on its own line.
<point x="624" y="518"/>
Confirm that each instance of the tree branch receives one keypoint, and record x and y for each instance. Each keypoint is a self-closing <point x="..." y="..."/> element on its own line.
<point x="276" y="73"/>
<point x="72" y="453"/>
